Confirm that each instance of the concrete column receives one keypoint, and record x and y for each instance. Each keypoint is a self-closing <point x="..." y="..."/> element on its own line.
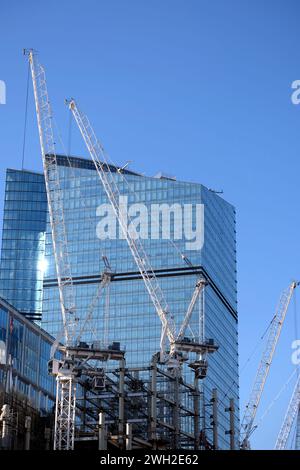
<point x="231" y="431"/>
<point x="27" y="432"/>
<point x="215" y="418"/>
<point x="153" y="401"/>
<point x="196" y="413"/>
<point x="176" y="420"/>
<point x="102" y="441"/>
<point x="5" y="418"/>
<point x="128" y="436"/>
<point x="121" y="403"/>
<point x="47" y="435"/>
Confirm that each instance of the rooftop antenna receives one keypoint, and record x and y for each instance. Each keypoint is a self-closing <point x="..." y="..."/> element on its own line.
<point x="216" y="191"/>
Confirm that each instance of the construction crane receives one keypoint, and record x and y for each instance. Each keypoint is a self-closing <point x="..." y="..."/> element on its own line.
<point x="95" y="149"/>
<point x="247" y="426"/>
<point x="54" y="196"/>
<point x="289" y="418"/>
<point x="112" y="191"/>
<point x="66" y="369"/>
<point x="66" y="386"/>
<point x="110" y="186"/>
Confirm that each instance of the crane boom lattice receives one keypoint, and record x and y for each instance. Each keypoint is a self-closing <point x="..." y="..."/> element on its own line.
<point x="112" y="191"/>
<point x="54" y="196"/>
<point x="263" y="370"/>
<point x="289" y="418"/>
<point x="66" y="389"/>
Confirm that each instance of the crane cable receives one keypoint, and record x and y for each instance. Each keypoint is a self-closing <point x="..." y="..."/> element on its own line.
<point x="169" y="240"/>
<point x="266" y="412"/>
<point x="260" y="339"/>
<point x="296" y="321"/>
<point x="296" y="437"/>
<point x="25" y="115"/>
<point x="70" y="134"/>
<point x="97" y="294"/>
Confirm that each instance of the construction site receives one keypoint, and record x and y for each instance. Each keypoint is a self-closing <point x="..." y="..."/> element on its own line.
<point x="106" y="397"/>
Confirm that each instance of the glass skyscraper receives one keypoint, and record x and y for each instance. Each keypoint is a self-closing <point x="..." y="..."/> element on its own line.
<point x="28" y="277"/>
<point x="24" y="355"/>
<point x="23" y="241"/>
<point x="132" y="320"/>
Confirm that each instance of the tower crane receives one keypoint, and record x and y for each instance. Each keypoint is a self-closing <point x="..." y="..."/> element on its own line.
<point x="247" y="426"/>
<point x="65" y="370"/>
<point x="112" y="191"/>
<point x="54" y="196"/>
<point x="142" y="261"/>
<point x="289" y="418"/>
<point x="66" y="385"/>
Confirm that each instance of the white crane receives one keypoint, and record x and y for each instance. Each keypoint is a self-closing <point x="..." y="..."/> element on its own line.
<point x="72" y="329"/>
<point x="247" y="426"/>
<point x="110" y="186"/>
<point x="200" y="285"/>
<point x="54" y="196"/>
<point x="289" y="418"/>
<point x="66" y="386"/>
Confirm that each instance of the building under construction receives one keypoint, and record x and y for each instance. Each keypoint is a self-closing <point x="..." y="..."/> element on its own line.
<point x="164" y="285"/>
<point x="121" y="408"/>
<point x="134" y="278"/>
<point x="116" y="407"/>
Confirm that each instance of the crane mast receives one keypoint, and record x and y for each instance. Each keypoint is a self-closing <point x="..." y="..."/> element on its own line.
<point x="289" y="418"/>
<point x="263" y="370"/>
<point x="64" y="370"/>
<point x="54" y="196"/>
<point x="66" y="384"/>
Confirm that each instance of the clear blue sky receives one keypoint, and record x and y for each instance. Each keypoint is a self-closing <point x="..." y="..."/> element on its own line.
<point x="196" y="88"/>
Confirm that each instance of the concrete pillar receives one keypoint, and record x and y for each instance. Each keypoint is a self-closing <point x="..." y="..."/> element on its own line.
<point x="215" y="418"/>
<point x="231" y="431"/>
<point x="196" y="413"/>
<point x="128" y="436"/>
<point x="47" y="435"/>
<point x="121" y="403"/>
<point x="27" y="432"/>
<point x="102" y="441"/>
<point x="176" y="417"/>
<point x="153" y="401"/>
<point x="5" y="419"/>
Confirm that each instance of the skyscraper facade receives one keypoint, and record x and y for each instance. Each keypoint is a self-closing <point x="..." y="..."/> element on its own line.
<point x="23" y="241"/>
<point x="24" y="355"/>
<point x="197" y="240"/>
